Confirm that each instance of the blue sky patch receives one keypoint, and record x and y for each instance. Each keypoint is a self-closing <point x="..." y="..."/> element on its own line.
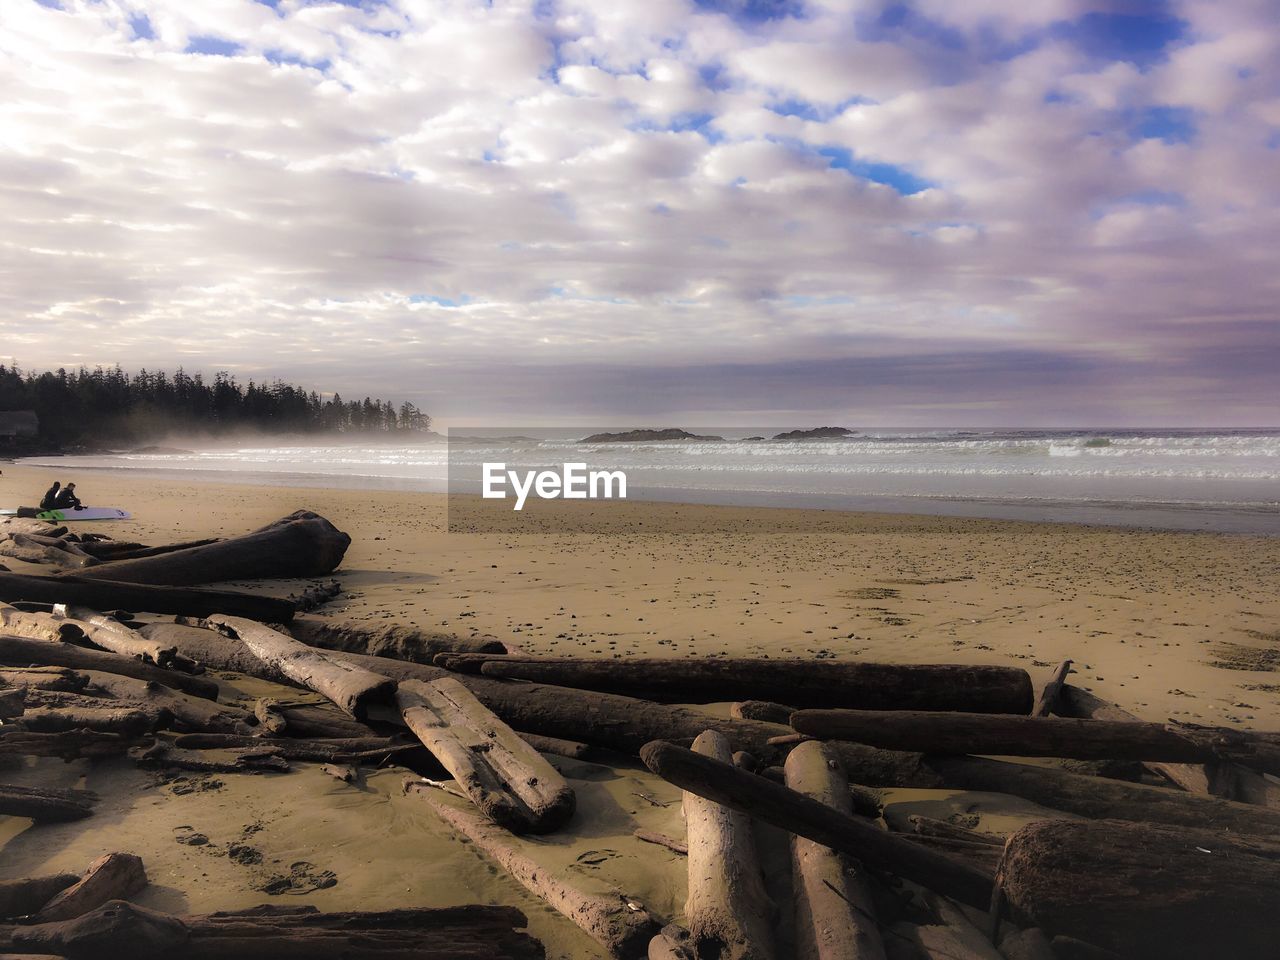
<point x="213" y="46"/>
<point x="899" y="178"/>
<point x="141" y="27"/>
<point x="439" y="301"/>
<point x="1170" y="124"/>
<point x="1138" y="39"/>
<point x="280" y="57"/>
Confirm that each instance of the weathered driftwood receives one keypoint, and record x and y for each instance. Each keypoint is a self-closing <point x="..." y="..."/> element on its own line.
<point x="509" y="781"/>
<point x="44" y="678"/>
<point x="728" y="913"/>
<point x="127" y="721"/>
<point x="866" y="802"/>
<point x="45" y="805"/>
<point x="321" y="720"/>
<point x="1048" y="699"/>
<point x="12" y="702"/>
<point x="116" y="876"/>
<point x="115" y="550"/>
<point x="322" y="751"/>
<point x="31" y="525"/>
<point x="122" y="929"/>
<point x="835" y="918"/>
<point x="341" y="771"/>
<point x="68" y="745"/>
<point x="317" y="596"/>
<point x="662" y="840"/>
<point x="38" y="549"/>
<point x="189" y="713"/>
<point x="619" y="924"/>
<point x="555" y="745"/>
<point x="1003" y="735"/>
<point x="110" y="634"/>
<point x="24" y="652"/>
<point x="271" y="722"/>
<point x="672" y="942"/>
<point x="1146" y="891"/>
<point x="952" y="936"/>
<point x="352" y="688"/>
<point x="300" y="545"/>
<point x="18" y="898"/>
<point x="387" y="640"/>
<point x="764" y="710"/>
<point x="980" y="856"/>
<point x="242" y="760"/>
<point x="107" y="594"/>
<point x="930" y="827"/>
<point x="784" y="808"/>
<point x="1220" y="778"/>
<point x="804" y="683"/>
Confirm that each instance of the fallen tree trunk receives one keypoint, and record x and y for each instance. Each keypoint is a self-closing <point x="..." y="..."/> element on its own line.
<point x="44" y="678"/>
<point x="18" y="898"/>
<point x="129" y="722"/>
<point x="246" y="760"/>
<point x="300" y="545"/>
<point x="45" y="805"/>
<point x="1220" y="778"/>
<point x="23" y="652"/>
<point x="389" y="640"/>
<point x="798" y="814"/>
<point x="351" y="687"/>
<point x="619" y="924"/>
<point x="189" y="713"/>
<point x="834" y="915"/>
<point x="625" y="724"/>
<point x="102" y="593"/>
<point x="113" y="636"/>
<point x="727" y="912"/>
<point x="320" y="751"/>
<point x="68" y="745"/>
<point x="505" y="778"/>
<point x="570" y="749"/>
<point x="116" y="876"/>
<point x="804" y="683"/>
<point x="994" y="734"/>
<point x="38" y="549"/>
<point x="115" y="550"/>
<point x="1146" y="891"/>
<point x="122" y="929"/>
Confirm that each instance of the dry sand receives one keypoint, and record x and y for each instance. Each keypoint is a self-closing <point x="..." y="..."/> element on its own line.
<point x="1150" y="619"/>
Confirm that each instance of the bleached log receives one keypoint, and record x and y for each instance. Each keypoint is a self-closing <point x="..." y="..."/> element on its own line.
<point x="24" y="652"/>
<point x="509" y="781"/>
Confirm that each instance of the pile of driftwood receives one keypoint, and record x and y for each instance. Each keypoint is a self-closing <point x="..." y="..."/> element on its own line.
<point x="1178" y="860"/>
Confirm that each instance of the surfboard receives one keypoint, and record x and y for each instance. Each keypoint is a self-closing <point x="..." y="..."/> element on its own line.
<point x="62" y="516"/>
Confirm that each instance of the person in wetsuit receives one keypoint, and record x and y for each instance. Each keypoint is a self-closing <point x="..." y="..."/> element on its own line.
<point x="67" y="499"/>
<point x="50" y="496"/>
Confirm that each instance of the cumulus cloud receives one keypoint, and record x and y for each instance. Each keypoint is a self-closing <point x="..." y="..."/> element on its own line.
<point x="1078" y="199"/>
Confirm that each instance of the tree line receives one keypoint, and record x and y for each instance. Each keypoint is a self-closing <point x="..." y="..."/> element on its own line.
<point x="110" y="405"/>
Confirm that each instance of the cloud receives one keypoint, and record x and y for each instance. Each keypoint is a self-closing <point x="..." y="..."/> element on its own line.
<point x="420" y="197"/>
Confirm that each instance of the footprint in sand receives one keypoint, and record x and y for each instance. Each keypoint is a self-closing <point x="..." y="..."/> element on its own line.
<point x="303" y="877"/>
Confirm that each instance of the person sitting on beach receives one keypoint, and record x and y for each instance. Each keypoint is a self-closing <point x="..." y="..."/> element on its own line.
<point x="50" y="496"/>
<point x="67" y="499"/>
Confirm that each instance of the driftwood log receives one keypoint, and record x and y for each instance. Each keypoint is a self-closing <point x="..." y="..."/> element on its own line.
<point x="1221" y="778"/>
<point x="121" y="550"/>
<point x="20" y="898"/>
<point x="44" y="678"/>
<point x="12" y="702"/>
<point x="110" y="634"/>
<point x="728" y="914"/>
<point x="397" y="641"/>
<point x="68" y="745"/>
<point x="373" y="749"/>
<point x="835" y="918"/>
<point x="764" y="710"/>
<point x="804" y="683"/>
<point x="302" y="544"/>
<point x="509" y="781"/>
<point x="619" y="924"/>
<point x="256" y="759"/>
<point x="45" y="805"/>
<point x="626" y="724"/>
<point x="189" y="713"/>
<point x="351" y="687"/>
<point x="1047" y="702"/>
<point x="106" y="594"/>
<point x="122" y="929"/>
<point x="127" y="720"/>
<point x="116" y="876"/>
<point x="1146" y="891"/>
<point x="1003" y="735"/>
<point x="806" y="817"/>
<point x="24" y="652"/>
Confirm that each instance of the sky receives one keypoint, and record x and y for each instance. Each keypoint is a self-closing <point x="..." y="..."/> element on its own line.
<point x="995" y="212"/>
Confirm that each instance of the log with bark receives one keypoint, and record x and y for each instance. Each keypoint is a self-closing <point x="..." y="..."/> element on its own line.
<point x="509" y="781"/>
<point x="68" y="745"/>
<point x="115" y="876"/>
<point x="626" y="724"/>
<point x="1221" y="778"/>
<point x="302" y="544"/>
<point x="804" y="683"/>
<point x="122" y="929"/>
<point x="618" y="923"/>
<point x="375" y="749"/>
<point x="105" y="594"/>
<point x="806" y="817"/>
<point x="1146" y="891"/>
<point x="834" y="915"/>
<point x="728" y="914"/>
<point x="23" y="652"/>
<point x="45" y="805"/>
<point x="20" y="898"/>
<point x="352" y="688"/>
<point x="1002" y="735"/>
<point x="397" y="641"/>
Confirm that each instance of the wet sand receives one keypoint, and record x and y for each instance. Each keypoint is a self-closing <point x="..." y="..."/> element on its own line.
<point x="1150" y="619"/>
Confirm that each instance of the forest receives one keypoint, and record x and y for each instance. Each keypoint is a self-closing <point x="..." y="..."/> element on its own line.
<point x="110" y="406"/>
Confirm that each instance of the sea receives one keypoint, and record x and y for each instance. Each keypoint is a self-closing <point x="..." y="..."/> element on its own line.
<point x="1225" y="480"/>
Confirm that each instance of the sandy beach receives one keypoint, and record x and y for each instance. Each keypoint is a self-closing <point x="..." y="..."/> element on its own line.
<point x="1168" y="625"/>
